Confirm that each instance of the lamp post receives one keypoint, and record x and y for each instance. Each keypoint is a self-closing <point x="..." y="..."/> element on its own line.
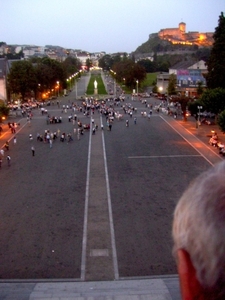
<point x="70" y="82"/>
<point x="160" y="89"/>
<point x="58" y="87"/>
<point x="199" y="111"/>
<point x="39" y="88"/>
<point x="115" y="84"/>
<point x="76" y="80"/>
<point x="137" y="88"/>
<point x="76" y="88"/>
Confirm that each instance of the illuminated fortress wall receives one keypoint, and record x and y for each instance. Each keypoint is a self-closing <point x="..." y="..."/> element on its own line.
<point x="179" y="36"/>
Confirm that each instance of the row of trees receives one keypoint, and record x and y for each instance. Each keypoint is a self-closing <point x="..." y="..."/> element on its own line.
<point x="123" y="69"/>
<point x="128" y="73"/>
<point x="39" y="75"/>
<point x="213" y="98"/>
<point x="159" y="63"/>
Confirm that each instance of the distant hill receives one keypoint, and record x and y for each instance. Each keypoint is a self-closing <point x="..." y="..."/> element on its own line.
<point x="169" y="52"/>
<point x="155" y="44"/>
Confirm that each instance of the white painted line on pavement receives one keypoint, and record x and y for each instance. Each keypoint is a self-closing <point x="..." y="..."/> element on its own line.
<point x="164" y="156"/>
<point x="189" y="142"/>
<point x="114" y="253"/>
<point x="84" y="241"/>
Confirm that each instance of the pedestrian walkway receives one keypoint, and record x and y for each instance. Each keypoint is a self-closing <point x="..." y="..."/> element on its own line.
<point x="101" y="284"/>
<point x="102" y="287"/>
<point x="165" y="288"/>
<point x="195" y="139"/>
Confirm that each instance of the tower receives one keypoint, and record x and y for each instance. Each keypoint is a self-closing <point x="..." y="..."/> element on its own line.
<point x="182" y="27"/>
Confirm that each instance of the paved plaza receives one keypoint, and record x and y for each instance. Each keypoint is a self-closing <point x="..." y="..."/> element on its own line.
<point x="99" y="208"/>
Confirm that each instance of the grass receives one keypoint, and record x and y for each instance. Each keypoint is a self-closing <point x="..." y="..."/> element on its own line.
<point x="151" y="77"/>
<point x="100" y="87"/>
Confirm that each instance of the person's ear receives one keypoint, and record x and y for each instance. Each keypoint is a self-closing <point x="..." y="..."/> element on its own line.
<point x="189" y="284"/>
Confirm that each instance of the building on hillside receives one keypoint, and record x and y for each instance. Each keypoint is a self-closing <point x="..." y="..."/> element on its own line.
<point x="200" y="65"/>
<point x="83" y="56"/>
<point x="180" y="36"/>
<point x="143" y="56"/>
<point x="4" y="69"/>
<point x="188" y="77"/>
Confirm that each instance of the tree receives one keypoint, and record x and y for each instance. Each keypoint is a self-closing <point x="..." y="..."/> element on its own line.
<point x="48" y="72"/>
<point x="193" y="108"/>
<point x="183" y="103"/>
<point x="71" y="65"/>
<point x="106" y="62"/>
<point x="221" y="121"/>
<point x="200" y="88"/>
<point x="4" y="110"/>
<point x="88" y="63"/>
<point x="171" y="89"/>
<point x="22" y="78"/>
<point x="130" y="71"/>
<point x="149" y="66"/>
<point x="214" y="100"/>
<point x="216" y="62"/>
<point x="155" y="89"/>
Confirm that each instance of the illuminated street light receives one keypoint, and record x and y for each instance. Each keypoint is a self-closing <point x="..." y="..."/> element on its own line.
<point x="115" y="84"/>
<point x="58" y="87"/>
<point x="199" y="111"/>
<point x="137" y="88"/>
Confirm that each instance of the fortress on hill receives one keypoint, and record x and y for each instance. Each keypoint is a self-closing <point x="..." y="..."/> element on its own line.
<point x="180" y="36"/>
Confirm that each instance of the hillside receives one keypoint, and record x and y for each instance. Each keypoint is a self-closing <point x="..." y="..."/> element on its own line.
<point x="170" y="53"/>
<point x="155" y="44"/>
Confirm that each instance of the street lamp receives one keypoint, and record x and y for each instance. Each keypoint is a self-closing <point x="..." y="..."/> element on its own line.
<point x="199" y="111"/>
<point x="76" y="81"/>
<point x="160" y="89"/>
<point x="58" y="87"/>
<point x="137" y="88"/>
<point x="114" y="83"/>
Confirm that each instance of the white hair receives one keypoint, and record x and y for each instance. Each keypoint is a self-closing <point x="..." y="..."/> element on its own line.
<point x="199" y="226"/>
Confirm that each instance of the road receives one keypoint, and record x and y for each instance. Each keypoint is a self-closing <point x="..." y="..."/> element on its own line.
<point x="98" y="208"/>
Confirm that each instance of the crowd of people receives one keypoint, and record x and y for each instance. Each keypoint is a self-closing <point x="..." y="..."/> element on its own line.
<point x="74" y="113"/>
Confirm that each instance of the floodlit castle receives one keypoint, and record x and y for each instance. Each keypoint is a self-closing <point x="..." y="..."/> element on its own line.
<point x="179" y="36"/>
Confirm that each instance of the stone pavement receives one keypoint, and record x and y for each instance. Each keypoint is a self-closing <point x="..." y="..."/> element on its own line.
<point x="152" y="288"/>
<point x="166" y="288"/>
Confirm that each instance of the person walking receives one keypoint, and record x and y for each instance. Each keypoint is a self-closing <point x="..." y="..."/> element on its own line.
<point x="33" y="150"/>
<point x="2" y="152"/>
<point x="7" y="146"/>
<point x="50" y="143"/>
<point x="8" y="160"/>
<point x="135" y="120"/>
<point x="127" y="123"/>
<point x="14" y="140"/>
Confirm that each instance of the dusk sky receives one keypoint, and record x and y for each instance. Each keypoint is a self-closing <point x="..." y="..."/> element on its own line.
<point x="101" y="25"/>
